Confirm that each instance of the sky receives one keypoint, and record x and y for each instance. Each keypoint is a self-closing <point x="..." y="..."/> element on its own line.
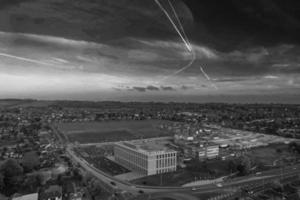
<point x="128" y="50"/>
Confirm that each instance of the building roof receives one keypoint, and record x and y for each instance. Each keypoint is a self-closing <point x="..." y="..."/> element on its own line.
<point x="33" y="196"/>
<point x="51" y="191"/>
<point x="147" y="146"/>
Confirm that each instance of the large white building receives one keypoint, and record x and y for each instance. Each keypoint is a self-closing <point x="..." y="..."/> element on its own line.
<point x="145" y="157"/>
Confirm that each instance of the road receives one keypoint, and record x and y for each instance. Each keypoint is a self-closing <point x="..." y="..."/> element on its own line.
<point x="237" y="183"/>
<point x="234" y="183"/>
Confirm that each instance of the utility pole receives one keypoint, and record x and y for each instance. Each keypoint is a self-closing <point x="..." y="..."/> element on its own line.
<point x="264" y="185"/>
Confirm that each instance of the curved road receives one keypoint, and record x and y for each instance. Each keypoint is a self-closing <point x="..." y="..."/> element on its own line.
<point x="227" y="186"/>
<point x="234" y="183"/>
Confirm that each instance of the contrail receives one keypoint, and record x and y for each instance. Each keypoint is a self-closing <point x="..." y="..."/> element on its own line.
<point x="185" y="39"/>
<point x="25" y="59"/>
<point x="207" y="77"/>
<point x="174" y="25"/>
<point x="183" y="68"/>
<point x="179" y="22"/>
<point x="205" y="74"/>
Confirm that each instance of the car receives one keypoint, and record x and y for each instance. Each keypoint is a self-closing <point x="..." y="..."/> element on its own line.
<point x="141" y="191"/>
<point x="219" y="185"/>
<point x="193" y="189"/>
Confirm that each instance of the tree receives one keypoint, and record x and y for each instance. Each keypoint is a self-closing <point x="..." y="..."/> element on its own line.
<point x="2" y="184"/>
<point x="11" y="168"/>
<point x="232" y="166"/>
<point x="294" y="147"/>
<point x="277" y="186"/>
<point x="94" y="187"/>
<point x="278" y="150"/>
<point x="30" y="161"/>
<point x="197" y="166"/>
<point x="12" y="176"/>
<point x="77" y="174"/>
<point x="244" y="166"/>
<point x="32" y="182"/>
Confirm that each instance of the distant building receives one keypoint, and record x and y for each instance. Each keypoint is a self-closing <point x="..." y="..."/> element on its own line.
<point x="201" y="151"/>
<point x="33" y="196"/>
<point x="70" y="190"/>
<point x="146" y="157"/>
<point x="208" y="151"/>
<point x="53" y="192"/>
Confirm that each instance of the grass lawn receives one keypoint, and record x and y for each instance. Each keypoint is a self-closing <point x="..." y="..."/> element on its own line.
<point x="177" y="178"/>
<point x="93" y="132"/>
<point x="267" y="155"/>
<point x="183" y="176"/>
<point x="107" y="136"/>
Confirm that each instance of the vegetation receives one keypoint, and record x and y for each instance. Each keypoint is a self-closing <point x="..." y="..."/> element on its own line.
<point x="92" y="132"/>
<point x="30" y="161"/>
<point x="11" y="176"/>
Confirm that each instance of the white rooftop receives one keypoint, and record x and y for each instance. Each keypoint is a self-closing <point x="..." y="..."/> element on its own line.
<point x="33" y="196"/>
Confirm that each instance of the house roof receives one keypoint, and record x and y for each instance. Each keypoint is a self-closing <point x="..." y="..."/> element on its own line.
<point x="33" y="196"/>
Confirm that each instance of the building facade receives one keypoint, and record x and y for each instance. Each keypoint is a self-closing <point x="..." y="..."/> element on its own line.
<point x="145" y="159"/>
<point x="208" y="152"/>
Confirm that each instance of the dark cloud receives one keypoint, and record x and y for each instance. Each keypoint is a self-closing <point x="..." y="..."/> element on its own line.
<point x="167" y="88"/>
<point x="226" y="25"/>
<point x="143" y="89"/>
<point x="9" y="3"/>
<point x="236" y="24"/>
<point x="185" y="87"/>
<point x="139" y="89"/>
<point x="231" y="79"/>
<point x="152" y="88"/>
<point x="130" y="39"/>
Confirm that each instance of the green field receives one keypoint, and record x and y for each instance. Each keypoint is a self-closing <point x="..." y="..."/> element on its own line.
<point x="269" y="155"/>
<point x="215" y="169"/>
<point x="93" y="132"/>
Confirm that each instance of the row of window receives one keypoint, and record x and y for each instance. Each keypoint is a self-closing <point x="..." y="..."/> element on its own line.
<point x="168" y="162"/>
<point x="166" y="155"/>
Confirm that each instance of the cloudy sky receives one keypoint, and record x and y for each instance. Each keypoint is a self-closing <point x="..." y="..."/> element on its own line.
<point x="129" y="50"/>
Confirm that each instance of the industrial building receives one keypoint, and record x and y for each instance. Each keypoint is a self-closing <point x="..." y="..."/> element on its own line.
<point x="146" y="157"/>
<point x="208" y="151"/>
<point x="200" y="151"/>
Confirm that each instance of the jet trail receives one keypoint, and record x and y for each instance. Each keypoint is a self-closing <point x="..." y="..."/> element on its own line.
<point x="204" y="73"/>
<point x="25" y="59"/>
<point x="207" y="77"/>
<point x="183" y="68"/>
<point x="185" y="39"/>
<point x="174" y="25"/>
<point x="179" y="22"/>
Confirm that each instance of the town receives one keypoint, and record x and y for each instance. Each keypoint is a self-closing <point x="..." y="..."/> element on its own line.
<point x="111" y="150"/>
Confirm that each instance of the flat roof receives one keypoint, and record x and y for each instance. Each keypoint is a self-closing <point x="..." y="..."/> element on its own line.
<point x="147" y="146"/>
<point x="33" y="196"/>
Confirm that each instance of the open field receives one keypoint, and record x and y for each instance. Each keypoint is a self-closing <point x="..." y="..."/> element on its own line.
<point x="275" y="154"/>
<point x="93" y="132"/>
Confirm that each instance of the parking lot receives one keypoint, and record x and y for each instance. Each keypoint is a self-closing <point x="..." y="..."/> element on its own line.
<point x="96" y="156"/>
